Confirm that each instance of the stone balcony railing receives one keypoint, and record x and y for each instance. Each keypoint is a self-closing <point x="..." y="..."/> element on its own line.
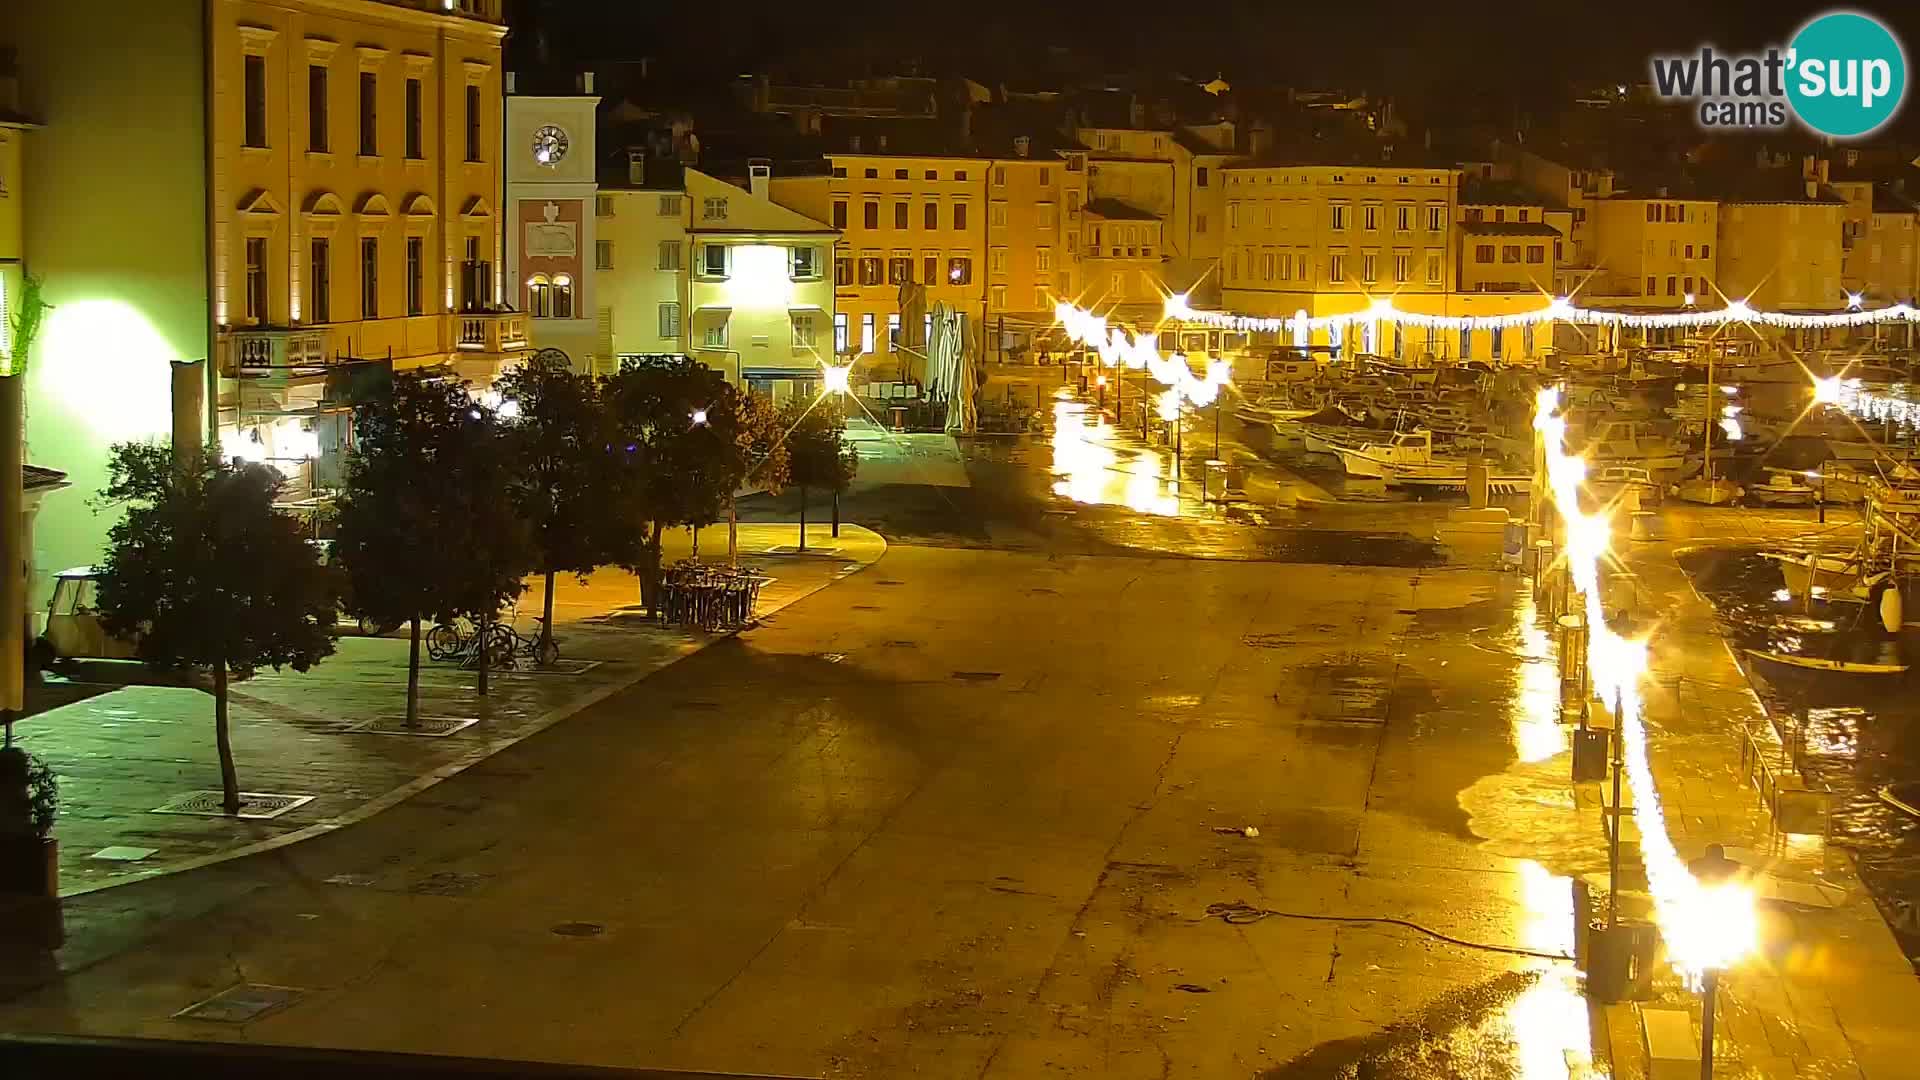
<point x="278" y="353"/>
<point x="492" y="332"/>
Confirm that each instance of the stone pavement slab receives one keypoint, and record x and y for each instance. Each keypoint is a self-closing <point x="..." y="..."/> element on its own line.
<point x="122" y="754"/>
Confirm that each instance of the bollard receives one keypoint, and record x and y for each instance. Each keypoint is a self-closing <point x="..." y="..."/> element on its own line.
<point x="1476" y="486"/>
<point x="1620" y="959"/>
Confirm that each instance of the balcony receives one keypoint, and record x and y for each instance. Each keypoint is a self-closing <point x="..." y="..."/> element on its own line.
<point x="278" y="355"/>
<point x="492" y="332"/>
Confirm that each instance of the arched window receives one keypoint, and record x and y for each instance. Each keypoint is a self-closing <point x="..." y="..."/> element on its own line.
<point x="539" y="296"/>
<point x="562" y="296"/>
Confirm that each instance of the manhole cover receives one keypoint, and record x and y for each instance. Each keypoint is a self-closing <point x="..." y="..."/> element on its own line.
<point x="353" y="880"/>
<point x="889" y="581"/>
<point x="833" y="657"/>
<point x="1043" y="591"/>
<point x="579" y="929"/>
<point x="253" y="804"/>
<point x="976" y="676"/>
<point x="240" y="1004"/>
<point x="559" y="667"/>
<point x="432" y="727"/>
<point x="1267" y="641"/>
<point x="903" y="644"/>
<point x="447" y="883"/>
<point x="866" y="607"/>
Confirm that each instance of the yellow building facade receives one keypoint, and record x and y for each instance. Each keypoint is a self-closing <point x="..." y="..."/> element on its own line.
<point x="1783" y="255"/>
<point x="1877" y="242"/>
<point x="1653" y="252"/>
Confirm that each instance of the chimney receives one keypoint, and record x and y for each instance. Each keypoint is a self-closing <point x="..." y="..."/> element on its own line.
<point x="1259" y="140"/>
<point x="1021" y="145"/>
<point x="853" y="143"/>
<point x="881" y="141"/>
<point x="1806" y="167"/>
<point x="759" y="177"/>
<point x="1852" y="156"/>
<point x="1823" y="170"/>
<point x="512" y="81"/>
<point x="585" y="82"/>
<point x="1813" y="188"/>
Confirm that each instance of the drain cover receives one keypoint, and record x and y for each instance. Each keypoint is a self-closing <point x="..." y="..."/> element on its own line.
<point x="118" y="853"/>
<point x="889" y="581"/>
<point x="350" y="879"/>
<point x="1267" y="641"/>
<point x="447" y="883"/>
<point x="433" y="727"/>
<point x="866" y="607"/>
<point x="253" y="804"/>
<point x="240" y="1004"/>
<point x="903" y="644"/>
<point x="976" y="676"/>
<point x="579" y="929"/>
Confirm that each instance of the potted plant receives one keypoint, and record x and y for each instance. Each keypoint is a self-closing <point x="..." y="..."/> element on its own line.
<point x="29" y="855"/>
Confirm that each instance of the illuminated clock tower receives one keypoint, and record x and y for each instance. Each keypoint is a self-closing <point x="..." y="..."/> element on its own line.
<point x="552" y="245"/>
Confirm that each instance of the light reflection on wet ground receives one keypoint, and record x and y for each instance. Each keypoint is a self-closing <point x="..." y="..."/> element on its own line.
<point x="1096" y="466"/>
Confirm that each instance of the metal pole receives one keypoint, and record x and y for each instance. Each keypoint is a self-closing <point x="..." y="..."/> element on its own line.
<point x="13" y="583"/>
<point x="1706" y="436"/>
<point x="1216" y="429"/>
<point x="1613" y="828"/>
<point x="1822" y="497"/>
<point x="1709" y="991"/>
<point x="733" y="532"/>
<point x="836" y="513"/>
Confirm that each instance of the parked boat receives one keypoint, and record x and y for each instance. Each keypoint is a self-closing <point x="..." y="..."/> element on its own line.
<point x="1371" y="460"/>
<point x="1784" y="487"/>
<point x="1837" y="667"/>
<point x="1610" y="482"/>
<point x="1627" y="441"/>
<point x="1715" y="492"/>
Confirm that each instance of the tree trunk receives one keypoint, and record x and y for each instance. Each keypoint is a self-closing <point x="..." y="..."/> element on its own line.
<point x="413" y="676"/>
<point x="485" y="650"/>
<point x="803" y="517"/>
<point x="650" y="557"/>
<point x="546" y="624"/>
<point x="223" y="741"/>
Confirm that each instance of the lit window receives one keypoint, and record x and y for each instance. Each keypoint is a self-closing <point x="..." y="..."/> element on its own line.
<point x="713" y="208"/>
<point x="806" y="264"/>
<point x="669" y="255"/>
<point x="802" y="330"/>
<point x="670" y="320"/>
<point x="716" y="335"/>
<point x="603" y="254"/>
<point x="893" y="332"/>
<point x="840" y="332"/>
<point x="713" y="260"/>
<point x="669" y="205"/>
<point x="866" y="332"/>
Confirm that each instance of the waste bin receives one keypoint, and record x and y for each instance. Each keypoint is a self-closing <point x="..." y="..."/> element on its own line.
<point x="1514" y="545"/>
<point x="1620" y="959"/>
<point x="1589" y="755"/>
<point x="1216" y="479"/>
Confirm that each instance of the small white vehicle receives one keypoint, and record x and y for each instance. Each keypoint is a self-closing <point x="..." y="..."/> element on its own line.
<point x="74" y="630"/>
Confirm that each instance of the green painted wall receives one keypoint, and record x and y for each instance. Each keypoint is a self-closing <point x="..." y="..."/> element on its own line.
<point x="116" y="227"/>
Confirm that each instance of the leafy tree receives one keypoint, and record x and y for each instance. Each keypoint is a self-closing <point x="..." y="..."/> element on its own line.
<point x="819" y="454"/>
<point x="427" y="526"/>
<point x="562" y="443"/>
<point x="203" y="572"/>
<point x="682" y="441"/>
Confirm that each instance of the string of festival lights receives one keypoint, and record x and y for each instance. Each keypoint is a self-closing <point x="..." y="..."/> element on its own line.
<point x="1558" y="309"/>
<point x="1142" y="351"/>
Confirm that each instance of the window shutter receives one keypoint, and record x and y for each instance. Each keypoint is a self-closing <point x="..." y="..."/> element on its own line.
<point x="603" y="357"/>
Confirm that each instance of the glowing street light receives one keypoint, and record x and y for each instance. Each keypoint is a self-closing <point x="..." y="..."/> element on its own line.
<point x="834" y="380"/>
<point x="1826" y="391"/>
<point x="699" y="418"/>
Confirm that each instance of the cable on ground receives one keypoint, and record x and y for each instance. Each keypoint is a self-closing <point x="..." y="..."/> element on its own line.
<point x="1242" y="914"/>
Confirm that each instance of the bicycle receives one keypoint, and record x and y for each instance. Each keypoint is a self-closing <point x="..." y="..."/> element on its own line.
<point x="449" y="640"/>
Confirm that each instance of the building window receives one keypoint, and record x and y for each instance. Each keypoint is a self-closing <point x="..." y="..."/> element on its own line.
<point x="999" y="298"/>
<point x="1043" y="258"/>
<point x="960" y="215"/>
<point x="1339" y="215"/>
<point x="369" y="114"/>
<point x="803" y="330"/>
<point x="669" y="206"/>
<point x="1403" y="218"/>
<point x="713" y="260"/>
<point x="317" y="109"/>
<point x="873" y="174"/>
<point x="933" y="174"/>
<point x="866" y="332"/>
<point x="257" y="278"/>
<point x="1370" y="218"/>
<point x="416" y="275"/>
<point x="870" y="214"/>
<point x="670" y="320"/>
<point x="1046" y="177"/>
<point x="255" y="89"/>
<point x="1466" y="344"/>
<point x="900" y="215"/>
<point x="476" y="279"/>
<point x="960" y="175"/>
<point x="1499" y="213"/>
<point x="1483" y="253"/>
<point x="900" y="270"/>
<point x="1686" y="285"/>
<point x="1653" y="211"/>
<point x="931" y="217"/>
<point x="473" y="122"/>
<point x="1336" y="269"/>
<point x="713" y="208"/>
<point x="997" y="215"/>
<point x="603" y="206"/>
<point x="416" y="142"/>
<point x="1673" y="285"/>
<point x="840" y="215"/>
<point x="930" y="270"/>
<point x="1040" y="302"/>
<point x="997" y="261"/>
<point x="1402" y="267"/>
<point x="669" y="255"/>
<point x="369" y="277"/>
<point x="1433" y="268"/>
<point x="1536" y="253"/>
<point x="1436" y="218"/>
<point x="1509" y="253"/>
<point x="716" y="335"/>
<point x="806" y="263"/>
<point x="999" y="176"/>
<point x="960" y="271"/>
<point x="840" y="332"/>
<point x="603" y="254"/>
<point x="1367" y="267"/>
<point x="320" y="281"/>
<point x="843" y="271"/>
<point x="1494" y="337"/>
<point x="1653" y="287"/>
<point x="1706" y="251"/>
<point x="1199" y="176"/>
<point x="870" y="270"/>
<point x="1043" y="219"/>
<point x="893" y="332"/>
<point x="1200" y="224"/>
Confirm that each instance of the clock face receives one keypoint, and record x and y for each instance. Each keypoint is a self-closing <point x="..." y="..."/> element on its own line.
<point x="549" y="144"/>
